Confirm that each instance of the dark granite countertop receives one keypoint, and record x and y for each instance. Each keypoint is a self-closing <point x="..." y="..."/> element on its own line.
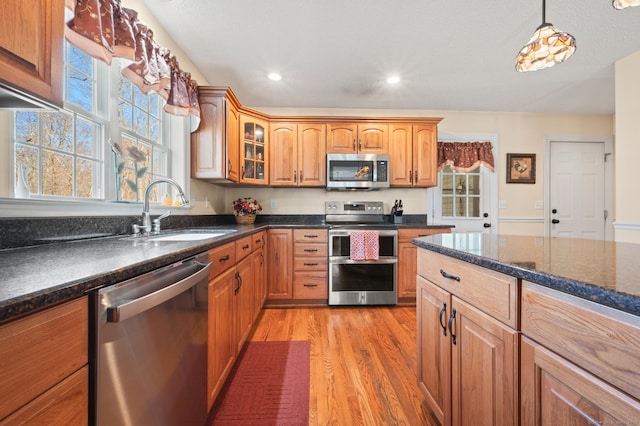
<point x="601" y="271"/>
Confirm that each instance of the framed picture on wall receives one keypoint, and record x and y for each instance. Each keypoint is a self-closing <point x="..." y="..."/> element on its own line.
<point x="521" y="168"/>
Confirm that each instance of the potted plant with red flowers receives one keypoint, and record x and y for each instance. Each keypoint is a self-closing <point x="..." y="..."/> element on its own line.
<point x="245" y="210"/>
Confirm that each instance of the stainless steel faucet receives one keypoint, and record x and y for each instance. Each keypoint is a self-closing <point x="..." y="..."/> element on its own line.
<point x="146" y="227"/>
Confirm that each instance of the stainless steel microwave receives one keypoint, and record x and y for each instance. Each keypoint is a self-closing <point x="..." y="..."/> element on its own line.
<point x="357" y="171"/>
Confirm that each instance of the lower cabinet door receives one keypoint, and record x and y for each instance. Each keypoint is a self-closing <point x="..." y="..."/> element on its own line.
<point x="434" y="348"/>
<point x="484" y="369"/>
<point x="557" y="392"/>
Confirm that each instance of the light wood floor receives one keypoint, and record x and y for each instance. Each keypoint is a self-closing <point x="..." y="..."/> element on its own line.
<point x="363" y="362"/>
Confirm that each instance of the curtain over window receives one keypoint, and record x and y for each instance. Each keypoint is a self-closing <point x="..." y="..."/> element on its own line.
<point x="465" y="156"/>
<point x="105" y="29"/>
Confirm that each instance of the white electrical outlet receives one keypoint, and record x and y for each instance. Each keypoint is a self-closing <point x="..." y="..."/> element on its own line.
<point x="273" y="204"/>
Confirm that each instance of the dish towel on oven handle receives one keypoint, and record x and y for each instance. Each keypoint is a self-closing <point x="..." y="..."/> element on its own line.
<point x="364" y="245"/>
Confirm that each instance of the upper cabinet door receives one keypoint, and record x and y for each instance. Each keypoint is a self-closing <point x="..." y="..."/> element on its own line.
<point x="425" y="155"/>
<point x="342" y="138"/>
<point x="373" y="138"/>
<point x="284" y="154"/>
<point x="31" y="47"/>
<point x="312" y="155"/>
<point x="254" y="150"/>
<point x="401" y="155"/>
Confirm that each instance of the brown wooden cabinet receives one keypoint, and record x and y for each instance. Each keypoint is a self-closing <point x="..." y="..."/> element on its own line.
<point x="467" y="342"/>
<point x="362" y="138"/>
<point x="254" y="148"/>
<point x="413" y="155"/>
<point x="408" y="263"/>
<point x="579" y="361"/>
<point x="279" y="264"/>
<point x="43" y="372"/>
<point x="297" y="154"/>
<point x="310" y="264"/>
<point x="215" y="152"/>
<point x="31" y="47"/>
<point x="234" y="304"/>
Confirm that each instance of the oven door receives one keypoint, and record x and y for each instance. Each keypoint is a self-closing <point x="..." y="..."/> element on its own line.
<point x="363" y="283"/>
<point x="367" y="282"/>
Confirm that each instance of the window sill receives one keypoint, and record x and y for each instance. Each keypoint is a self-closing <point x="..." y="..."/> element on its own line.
<point x="13" y="207"/>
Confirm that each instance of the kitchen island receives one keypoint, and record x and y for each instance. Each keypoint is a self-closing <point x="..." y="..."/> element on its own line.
<point x="528" y="330"/>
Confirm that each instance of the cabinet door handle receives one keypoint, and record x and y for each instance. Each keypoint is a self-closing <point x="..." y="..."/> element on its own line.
<point x="310" y="285"/>
<point x="442" y="312"/>
<point x="451" y="318"/>
<point x="449" y="276"/>
<point x="230" y="165"/>
<point x="415" y="179"/>
<point x="310" y="264"/>
<point x="239" y="281"/>
<point x="223" y="259"/>
<point x="311" y="250"/>
<point x="359" y="145"/>
<point x="354" y="144"/>
<point x="310" y="236"/>
<point x="261" y="259"/>
<point x="410" y="176"/>
<point x="300" y="176"/>
<point x="295" y="179"/>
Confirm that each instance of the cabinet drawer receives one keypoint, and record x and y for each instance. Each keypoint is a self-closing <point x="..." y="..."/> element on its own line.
<point x="601" y="340"/>
<point x="310" y="285"/>
<point x="221" y="258"/>
<point x="258" y="240"/>
<point x="492" y="292"/>
<point x="65" y="404"/>
<point x="310" y="236"/>
<point x="243" y="247"/>
<point x="39" y="351"/>
<point x="315" y="250"/>
<point x="406" y="235"/>
<point x="310" y="264"/>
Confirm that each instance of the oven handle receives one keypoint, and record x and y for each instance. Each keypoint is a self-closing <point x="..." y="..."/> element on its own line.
<point x="335" y="260"/>
<point x="134" y="307"/>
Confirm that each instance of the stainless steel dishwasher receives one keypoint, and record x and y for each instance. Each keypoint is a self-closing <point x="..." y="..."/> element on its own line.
<point x="149" y="349"/>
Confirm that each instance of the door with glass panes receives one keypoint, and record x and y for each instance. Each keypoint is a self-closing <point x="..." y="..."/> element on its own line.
<point x="467" y="200"/>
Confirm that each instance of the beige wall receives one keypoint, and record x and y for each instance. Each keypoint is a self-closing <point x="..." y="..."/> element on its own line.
<point x="627" y="149"/>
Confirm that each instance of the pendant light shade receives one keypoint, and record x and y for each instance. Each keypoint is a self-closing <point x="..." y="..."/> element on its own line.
<point x="621" y="4"/>
<point x="548" y="46"/>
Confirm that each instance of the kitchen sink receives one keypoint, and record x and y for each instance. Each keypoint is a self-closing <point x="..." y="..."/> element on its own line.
<point x="192" y="235"/>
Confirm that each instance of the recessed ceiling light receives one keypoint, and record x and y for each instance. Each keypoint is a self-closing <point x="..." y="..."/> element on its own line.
<point x="275" y="76"/>
<point x="394" y="79"/>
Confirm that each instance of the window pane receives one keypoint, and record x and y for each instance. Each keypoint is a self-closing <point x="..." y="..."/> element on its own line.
<point x="447" y="206"/>
<point x="80" y="61"/>
<point x="474" y="185"/>
<point x="87" y="138"/>
<point x="447" y="184"/>
<point x="80" y="90"/>
<point x="86" y="172"/>
<point x="125" y="89"/>
<point x="154" y="129"/>
<point x="57" y="131"/>
<point x="461" y="207"/>
<point x="461" y="185"/>
<point x="57" y="174"/>
<point x="27" y="127"/>
<point x="155" y="105"/>
<point x="125" y="115"/>
<point x="140" y="99"/>
<point x="474" y="206"/>
<point x="29" y="156"/>
<point x="140" y="122"/>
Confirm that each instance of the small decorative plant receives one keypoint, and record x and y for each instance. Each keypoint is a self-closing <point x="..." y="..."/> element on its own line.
<point x="246" y="206"/>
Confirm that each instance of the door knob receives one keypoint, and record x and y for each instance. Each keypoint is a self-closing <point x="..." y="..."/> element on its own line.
<point x="485" y="214"/>
<point x="486" y="225"/>
<point x="554" y="211"/>
<point x="554" y="221"/>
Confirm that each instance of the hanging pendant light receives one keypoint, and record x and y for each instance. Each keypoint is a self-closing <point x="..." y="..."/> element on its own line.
<point x="547" y="47"/>
<point x="621" y="4"/>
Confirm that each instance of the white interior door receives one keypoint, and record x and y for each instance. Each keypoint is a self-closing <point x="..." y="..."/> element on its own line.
<point x="467" y="201"/>
<point x="577" y="190"/>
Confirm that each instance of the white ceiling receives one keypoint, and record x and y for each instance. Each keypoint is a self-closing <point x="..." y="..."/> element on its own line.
<point x="451" y="55"/>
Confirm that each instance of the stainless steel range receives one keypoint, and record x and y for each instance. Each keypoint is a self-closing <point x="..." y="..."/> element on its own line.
<point x="363" y="254"/>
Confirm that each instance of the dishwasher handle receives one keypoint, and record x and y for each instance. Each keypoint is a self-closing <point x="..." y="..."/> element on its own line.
<point x="151" y="300"/>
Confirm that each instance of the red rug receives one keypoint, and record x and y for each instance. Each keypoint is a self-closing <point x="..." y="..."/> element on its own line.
<point x="269" y="385"/>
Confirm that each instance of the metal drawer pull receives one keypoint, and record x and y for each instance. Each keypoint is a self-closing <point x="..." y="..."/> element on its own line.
<point x="246" y="246"/>
<point x="311" y="236"/>
<point x="442" y="312"/>
<point x="451" y="277"/>
<point x="223" y="259"/>
<point x="310" y="285"/>
<point x="451" y="318"/>
<point x="310" y="264"/>
<point x="311" y="250"/>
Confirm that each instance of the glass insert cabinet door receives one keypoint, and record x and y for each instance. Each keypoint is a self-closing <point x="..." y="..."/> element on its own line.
<point x="254" y="148"/>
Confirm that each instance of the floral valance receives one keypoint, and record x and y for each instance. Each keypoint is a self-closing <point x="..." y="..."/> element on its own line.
<point x="465" y="156"/>
<point x="104" y="29"/>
